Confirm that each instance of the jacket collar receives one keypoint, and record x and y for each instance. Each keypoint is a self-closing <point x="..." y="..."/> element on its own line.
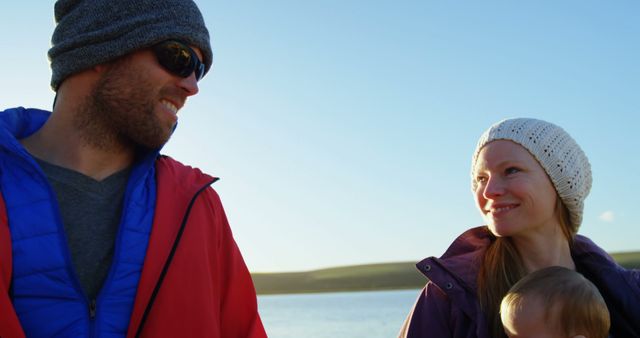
<point x="456" y="271"/>
<point x="18" y="123"/>
<point x="464" y="256"/>
<point x="461" y="262"/>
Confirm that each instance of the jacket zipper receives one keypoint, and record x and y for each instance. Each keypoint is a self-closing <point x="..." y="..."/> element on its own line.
<point x="92" y="309"/>
<point x="170" y="258"/>
<point x="92" y="303"/>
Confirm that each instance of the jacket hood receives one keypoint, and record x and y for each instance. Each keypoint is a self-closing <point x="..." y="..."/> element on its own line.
<point x="187" y="179"/>
<point x="18" y="123"/>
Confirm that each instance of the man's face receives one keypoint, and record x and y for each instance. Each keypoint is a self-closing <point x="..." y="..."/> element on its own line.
<point x="135" y="103"/>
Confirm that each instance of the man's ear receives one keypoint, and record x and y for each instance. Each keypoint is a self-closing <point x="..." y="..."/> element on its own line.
<point x="101" y="68"/>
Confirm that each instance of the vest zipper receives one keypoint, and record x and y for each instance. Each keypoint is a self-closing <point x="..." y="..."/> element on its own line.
<point x="92" y="309"/>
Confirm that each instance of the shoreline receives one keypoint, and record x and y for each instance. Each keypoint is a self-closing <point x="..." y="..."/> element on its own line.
<point x="368" y="277"/>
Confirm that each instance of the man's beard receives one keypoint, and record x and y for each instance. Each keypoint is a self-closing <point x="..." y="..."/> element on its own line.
<point x="120" y="112"/>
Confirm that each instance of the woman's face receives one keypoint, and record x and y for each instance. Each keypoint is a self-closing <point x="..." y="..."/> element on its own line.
<point x="514" y="194"/>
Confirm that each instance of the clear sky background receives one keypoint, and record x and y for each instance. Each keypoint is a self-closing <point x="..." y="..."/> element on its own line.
<point x="343" y="130"/>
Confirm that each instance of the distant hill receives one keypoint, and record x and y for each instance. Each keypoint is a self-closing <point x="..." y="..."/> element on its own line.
<point x="630" y="260"/>
<point x="384" y="276"/>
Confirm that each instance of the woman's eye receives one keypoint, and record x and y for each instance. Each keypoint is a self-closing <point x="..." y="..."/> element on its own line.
<point x="511" y="170"/>
<point x="481" y="179"/>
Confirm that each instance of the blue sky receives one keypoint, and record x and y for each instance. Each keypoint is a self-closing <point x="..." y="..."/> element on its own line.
<point x="343" y="130"/>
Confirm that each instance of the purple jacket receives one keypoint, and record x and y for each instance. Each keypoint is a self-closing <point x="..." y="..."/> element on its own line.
<point x="448" y="305"/>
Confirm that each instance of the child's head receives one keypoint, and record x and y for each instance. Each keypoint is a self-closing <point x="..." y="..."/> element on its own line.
<point x="554" y="302"/>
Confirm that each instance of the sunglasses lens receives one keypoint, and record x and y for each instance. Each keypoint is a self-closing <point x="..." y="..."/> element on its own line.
<point x="179" y="59"/>
<point x="200" y="71"/>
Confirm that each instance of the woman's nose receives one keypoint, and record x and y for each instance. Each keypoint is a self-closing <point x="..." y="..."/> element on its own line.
<point x="494" y="187"/>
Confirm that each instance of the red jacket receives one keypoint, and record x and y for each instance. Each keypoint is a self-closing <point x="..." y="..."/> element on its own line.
<point x="202" y="286"/>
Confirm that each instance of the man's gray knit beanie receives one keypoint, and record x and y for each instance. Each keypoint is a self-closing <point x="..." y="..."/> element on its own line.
<point x="91" y="32"/>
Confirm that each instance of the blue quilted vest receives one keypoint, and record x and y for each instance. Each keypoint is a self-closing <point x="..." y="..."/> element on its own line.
<point x="46" y="293"/>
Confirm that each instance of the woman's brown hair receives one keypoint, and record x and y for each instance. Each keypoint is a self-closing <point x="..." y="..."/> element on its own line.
<point x="502" y="267"/>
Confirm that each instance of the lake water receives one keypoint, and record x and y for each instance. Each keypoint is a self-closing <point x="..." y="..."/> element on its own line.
<point x="376" y="314"/>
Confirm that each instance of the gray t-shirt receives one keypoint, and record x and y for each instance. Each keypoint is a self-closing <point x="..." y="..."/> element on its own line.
<point x="91" y="212"/>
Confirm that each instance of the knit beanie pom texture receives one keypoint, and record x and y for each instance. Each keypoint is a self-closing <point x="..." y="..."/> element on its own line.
<point x="557" y="152"/>
<point x="91" y="32"/>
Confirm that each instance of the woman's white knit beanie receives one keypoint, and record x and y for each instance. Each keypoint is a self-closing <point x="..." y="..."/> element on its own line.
<point x="557" y="152"/>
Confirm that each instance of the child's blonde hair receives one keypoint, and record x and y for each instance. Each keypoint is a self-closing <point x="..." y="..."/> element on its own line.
<point x="572" y="303"/>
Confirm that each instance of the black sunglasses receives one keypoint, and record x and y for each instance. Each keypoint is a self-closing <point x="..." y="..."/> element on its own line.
<point x="179" y="59"/>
